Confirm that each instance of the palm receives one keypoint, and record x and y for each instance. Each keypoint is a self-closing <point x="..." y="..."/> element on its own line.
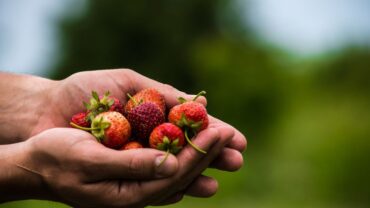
<point x="68" y="98"/>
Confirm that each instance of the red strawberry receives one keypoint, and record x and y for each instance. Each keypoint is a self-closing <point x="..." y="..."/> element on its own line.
<point x="99" y="104"/>
<point x="145" y="96"/>
<point x="110" y="128"/>
<point x="80" y="119"/>
<point x="167" y="137"/>
<point x="116" y="106"/>
<point x="191" y="116"/>
<point x="131" y="145"/>
<point x="144" y="118"/>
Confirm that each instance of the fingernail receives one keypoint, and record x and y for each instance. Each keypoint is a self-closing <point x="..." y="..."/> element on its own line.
<point x="165" y="166"/>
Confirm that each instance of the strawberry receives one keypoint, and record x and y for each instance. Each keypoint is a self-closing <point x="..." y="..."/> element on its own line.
<point x="131" y="145"/>
<point x="80" y="119"/>
<point x="116" y="106"/>
<point x="167" y="137"/>
<point x="144" y="96"/>
<point x="191" y="116"/>
<point x="144" y="118"/>
<point x="99" y="104"/>
<point x="110" y="128"/>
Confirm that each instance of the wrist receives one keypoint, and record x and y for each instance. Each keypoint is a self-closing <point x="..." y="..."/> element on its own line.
<point x="18" y="180"/>
<point x="21" y="101"/>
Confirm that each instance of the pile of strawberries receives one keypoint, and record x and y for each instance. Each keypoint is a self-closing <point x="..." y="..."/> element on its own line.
<point x="142" y="121"/>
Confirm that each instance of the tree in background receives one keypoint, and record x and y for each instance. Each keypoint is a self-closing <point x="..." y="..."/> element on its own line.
<point x="190" y="44"/>
<point x="305" y="141"/>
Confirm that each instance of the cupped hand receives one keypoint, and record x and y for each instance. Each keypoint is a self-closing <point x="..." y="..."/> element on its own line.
<point x="77" y="170"/>
<point x="65" y="99"/>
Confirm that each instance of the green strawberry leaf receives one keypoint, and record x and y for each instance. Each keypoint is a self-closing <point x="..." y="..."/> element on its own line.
<point x="87" y="106"/>
<point x="107" y="93"/>
<point x="161" y="146"/>
<point x="196" y="125"/>
<point x="181" y="100"/>
<point x="95" y="95"/>
<point x="166" y="140"/>
<point x="110" y="102"/>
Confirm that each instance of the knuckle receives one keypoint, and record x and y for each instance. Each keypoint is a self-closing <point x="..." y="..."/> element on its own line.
<point x="136" y="166"/>
<point x="168" y="87"/>
<point x="129" y="72"/>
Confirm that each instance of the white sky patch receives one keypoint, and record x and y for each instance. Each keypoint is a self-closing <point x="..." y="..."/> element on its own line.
<point x="29" y="38"/>
<point x="310" y="26"/>
<point x="28" y="34"/>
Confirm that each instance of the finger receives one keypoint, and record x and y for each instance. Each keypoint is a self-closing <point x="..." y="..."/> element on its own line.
<point x="203" y="186"/>
<point x="170" y="93"/>
<point x="225" y="135"/>
<point x="239" y="141"/>
<point x="228" y="160"/>
<point x="111" y="193"/>
<point x="105" y="163"/>
<point x="190" y="158"/>
<point x="170" y="200"/>
<point x="205" y="140"/>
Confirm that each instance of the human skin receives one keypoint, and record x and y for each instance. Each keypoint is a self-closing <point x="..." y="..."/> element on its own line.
<point x="34" y="109"/>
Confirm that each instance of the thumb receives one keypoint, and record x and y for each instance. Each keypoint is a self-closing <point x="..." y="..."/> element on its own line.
<point x="131" y="164"/>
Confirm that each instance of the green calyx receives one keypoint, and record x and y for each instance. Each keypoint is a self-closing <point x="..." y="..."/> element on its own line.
<point x="169" y="147"/>
<point x="185" y="122"/>
<point x="134" y="100"/>
<point x="98" y="105"/>
<point x="172" y="147"/>
<point x="98" y="127"/>
<point x="192" y="144"/>
<point x="183" y="100"/>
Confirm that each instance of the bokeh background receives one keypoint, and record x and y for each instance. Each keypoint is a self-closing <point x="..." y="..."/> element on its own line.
<point x="294" y="76"/>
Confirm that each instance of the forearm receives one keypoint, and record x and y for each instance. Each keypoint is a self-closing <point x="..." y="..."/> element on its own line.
<point x="16" y="182"/>
<point x="20" y="105"/>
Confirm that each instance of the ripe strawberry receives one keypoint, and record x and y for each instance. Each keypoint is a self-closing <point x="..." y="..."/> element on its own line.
<point x="145" y="96"/>
<point x="191" y="116"/>
<point x="167" y="137"/>
<point x="144" y="118"/>
<point x="110" y="128"/>
<point x="116" y="106"/>
<point x="99" y="104"/>
<point x="131" y="145"/>
<point x="81" y="119"/>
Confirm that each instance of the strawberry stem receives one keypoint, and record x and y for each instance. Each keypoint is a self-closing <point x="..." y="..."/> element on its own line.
<point x="165" y="157"/>
<point x="81" y="127"/>
<point x="201" y="93"/>
<point x="192" y="144"/>
<point x="133" y="99"/>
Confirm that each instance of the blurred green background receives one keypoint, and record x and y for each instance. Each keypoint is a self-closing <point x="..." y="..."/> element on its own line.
<point x="306" y="114"/>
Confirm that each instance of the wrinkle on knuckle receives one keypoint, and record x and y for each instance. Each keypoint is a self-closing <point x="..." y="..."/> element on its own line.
<point x="136" y="166"/>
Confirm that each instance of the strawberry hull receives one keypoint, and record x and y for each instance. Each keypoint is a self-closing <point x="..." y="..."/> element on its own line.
<point x="115" y="129"/>
<point x="170" y="132"/>
<point x="190" y="114"/>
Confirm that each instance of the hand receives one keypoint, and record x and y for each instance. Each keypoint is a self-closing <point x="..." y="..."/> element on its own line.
<point x="70" y="166"/>
<point x="61" y="99"/>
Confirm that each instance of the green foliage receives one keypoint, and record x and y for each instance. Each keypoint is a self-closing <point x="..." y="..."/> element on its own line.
<point x="308" y="132"/>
